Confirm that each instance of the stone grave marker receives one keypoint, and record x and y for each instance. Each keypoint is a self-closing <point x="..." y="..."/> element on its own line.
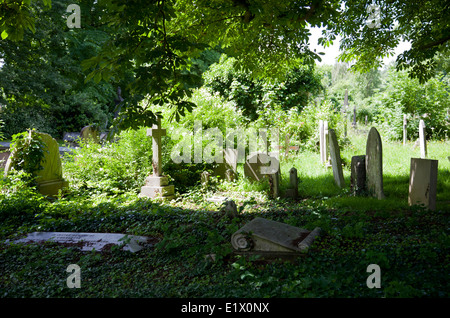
<point x="422" y="139"/>
<point x="336" y="162"/>
<point x="292" y="192"/>
<point x="89" y="241"/>
<point x="358" y="174"/>
<point x="423" y="182"/>
<point x="374" y="164"/>
<point x="49" y="179"/>
<point x="263" y="236"/>
<point x="323" y="141"/>
<point x="90" y="133"/>
<point x="157" y="185"/>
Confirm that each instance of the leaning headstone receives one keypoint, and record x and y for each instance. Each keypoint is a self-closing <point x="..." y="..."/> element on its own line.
<point x="259" y="165"/>
<point x="157" y="185"/>
<point x="274" y="181"/>
<point x="292" y="192"/>
<point x="49" y="179"/>
<point x="374" y="164"/>
<point x="262" y="235"/>
<point x="90" y="133"/>
<point x="422" y="139"/>
<point x="358" y="174"/>
<point x="336" y="162"/>
<point x="423" y="182"/>
<point x="101" y="242"/>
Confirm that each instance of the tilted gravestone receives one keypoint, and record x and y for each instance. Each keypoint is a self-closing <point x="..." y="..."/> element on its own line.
<point x="157" y="185"/>
<point x="90" y="133"/>
<point x="263" y="235"/>
<point x="374" y="164"/>
<point x="336" y="162"/>
<point x="323" y="141"/>
<point x="423" y="182"/>
<point x="49" y="179"/>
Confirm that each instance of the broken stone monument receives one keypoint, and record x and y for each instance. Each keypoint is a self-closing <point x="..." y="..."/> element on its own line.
<point x="374" y="164"/>
<point x="423" y="182"/>
<point x="49" y="179"/>
<point x="157" y="185"/>
<point x="267" y="237"/>
<point x="336" y="162"/>
<point x="358" y="175"/>
<point x="101" y="242"/>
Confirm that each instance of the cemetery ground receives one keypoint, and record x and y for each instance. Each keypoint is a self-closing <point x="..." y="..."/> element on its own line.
<point x="192" y="256"/>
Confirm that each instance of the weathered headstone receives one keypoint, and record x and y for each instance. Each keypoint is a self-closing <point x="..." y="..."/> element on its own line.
<point x="422" y="139"/>
<point x="49" y="179"/>
<point x="423" y="182"/>
<point x="259" y="165"/>
<point x="374" y="164"/>
<point x="89" y="241"/>
<point x="336" y="162"/>
<point x="323" y="139"/>
<point x="405" y="132"/>
<point x="292" y="192"/>
<point x="157" y="185"/>
<point x="204" y="178"/>
<point x="345" y="112"/>
<point x="354" y="117"/>
<point x="274" y="181"/>
<point x="358" y="174"/>
<point x="262" y="235"/>
<point x="90" y="133"/>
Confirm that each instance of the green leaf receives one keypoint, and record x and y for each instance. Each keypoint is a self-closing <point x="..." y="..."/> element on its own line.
<point x="4" y="34"/>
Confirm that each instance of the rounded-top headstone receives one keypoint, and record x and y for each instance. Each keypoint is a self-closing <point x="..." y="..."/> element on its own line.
<point x="374" y="164"/>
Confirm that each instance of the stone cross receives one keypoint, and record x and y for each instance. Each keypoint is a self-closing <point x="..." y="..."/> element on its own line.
<point x="422" y="139"/>
<point x="156" y="132"/>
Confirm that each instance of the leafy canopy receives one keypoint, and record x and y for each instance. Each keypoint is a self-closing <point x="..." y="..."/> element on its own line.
<point x="157" y="40"/>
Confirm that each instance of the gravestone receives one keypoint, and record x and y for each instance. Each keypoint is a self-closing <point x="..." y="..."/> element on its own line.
<point x="358" y="174"/>
<point x="274" y="181"/>
<point x="354" y="117"/>
<point x="422" y="139"/>
<point x="423" y="182"/>
<point x="292" y="192"/>
<point x="49" y="179"/>
<point x="157" y="185"/>
<point x="229" y="162"/>
<point x="374" y="164"/>
<point x="89" y="241"/>
<point x="204" y="178"/>
<point x="345" y="112"/>
<point x="404" y="130"/>
<point x="259" y="165"/>
<point x="90" y="133"/>
<point x="262" y="235"/>
<point x="336" y="162"/>
<point x="323" y="140"/>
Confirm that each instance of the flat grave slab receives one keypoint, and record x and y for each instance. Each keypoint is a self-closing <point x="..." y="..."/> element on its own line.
<point x="90" y="241"/>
